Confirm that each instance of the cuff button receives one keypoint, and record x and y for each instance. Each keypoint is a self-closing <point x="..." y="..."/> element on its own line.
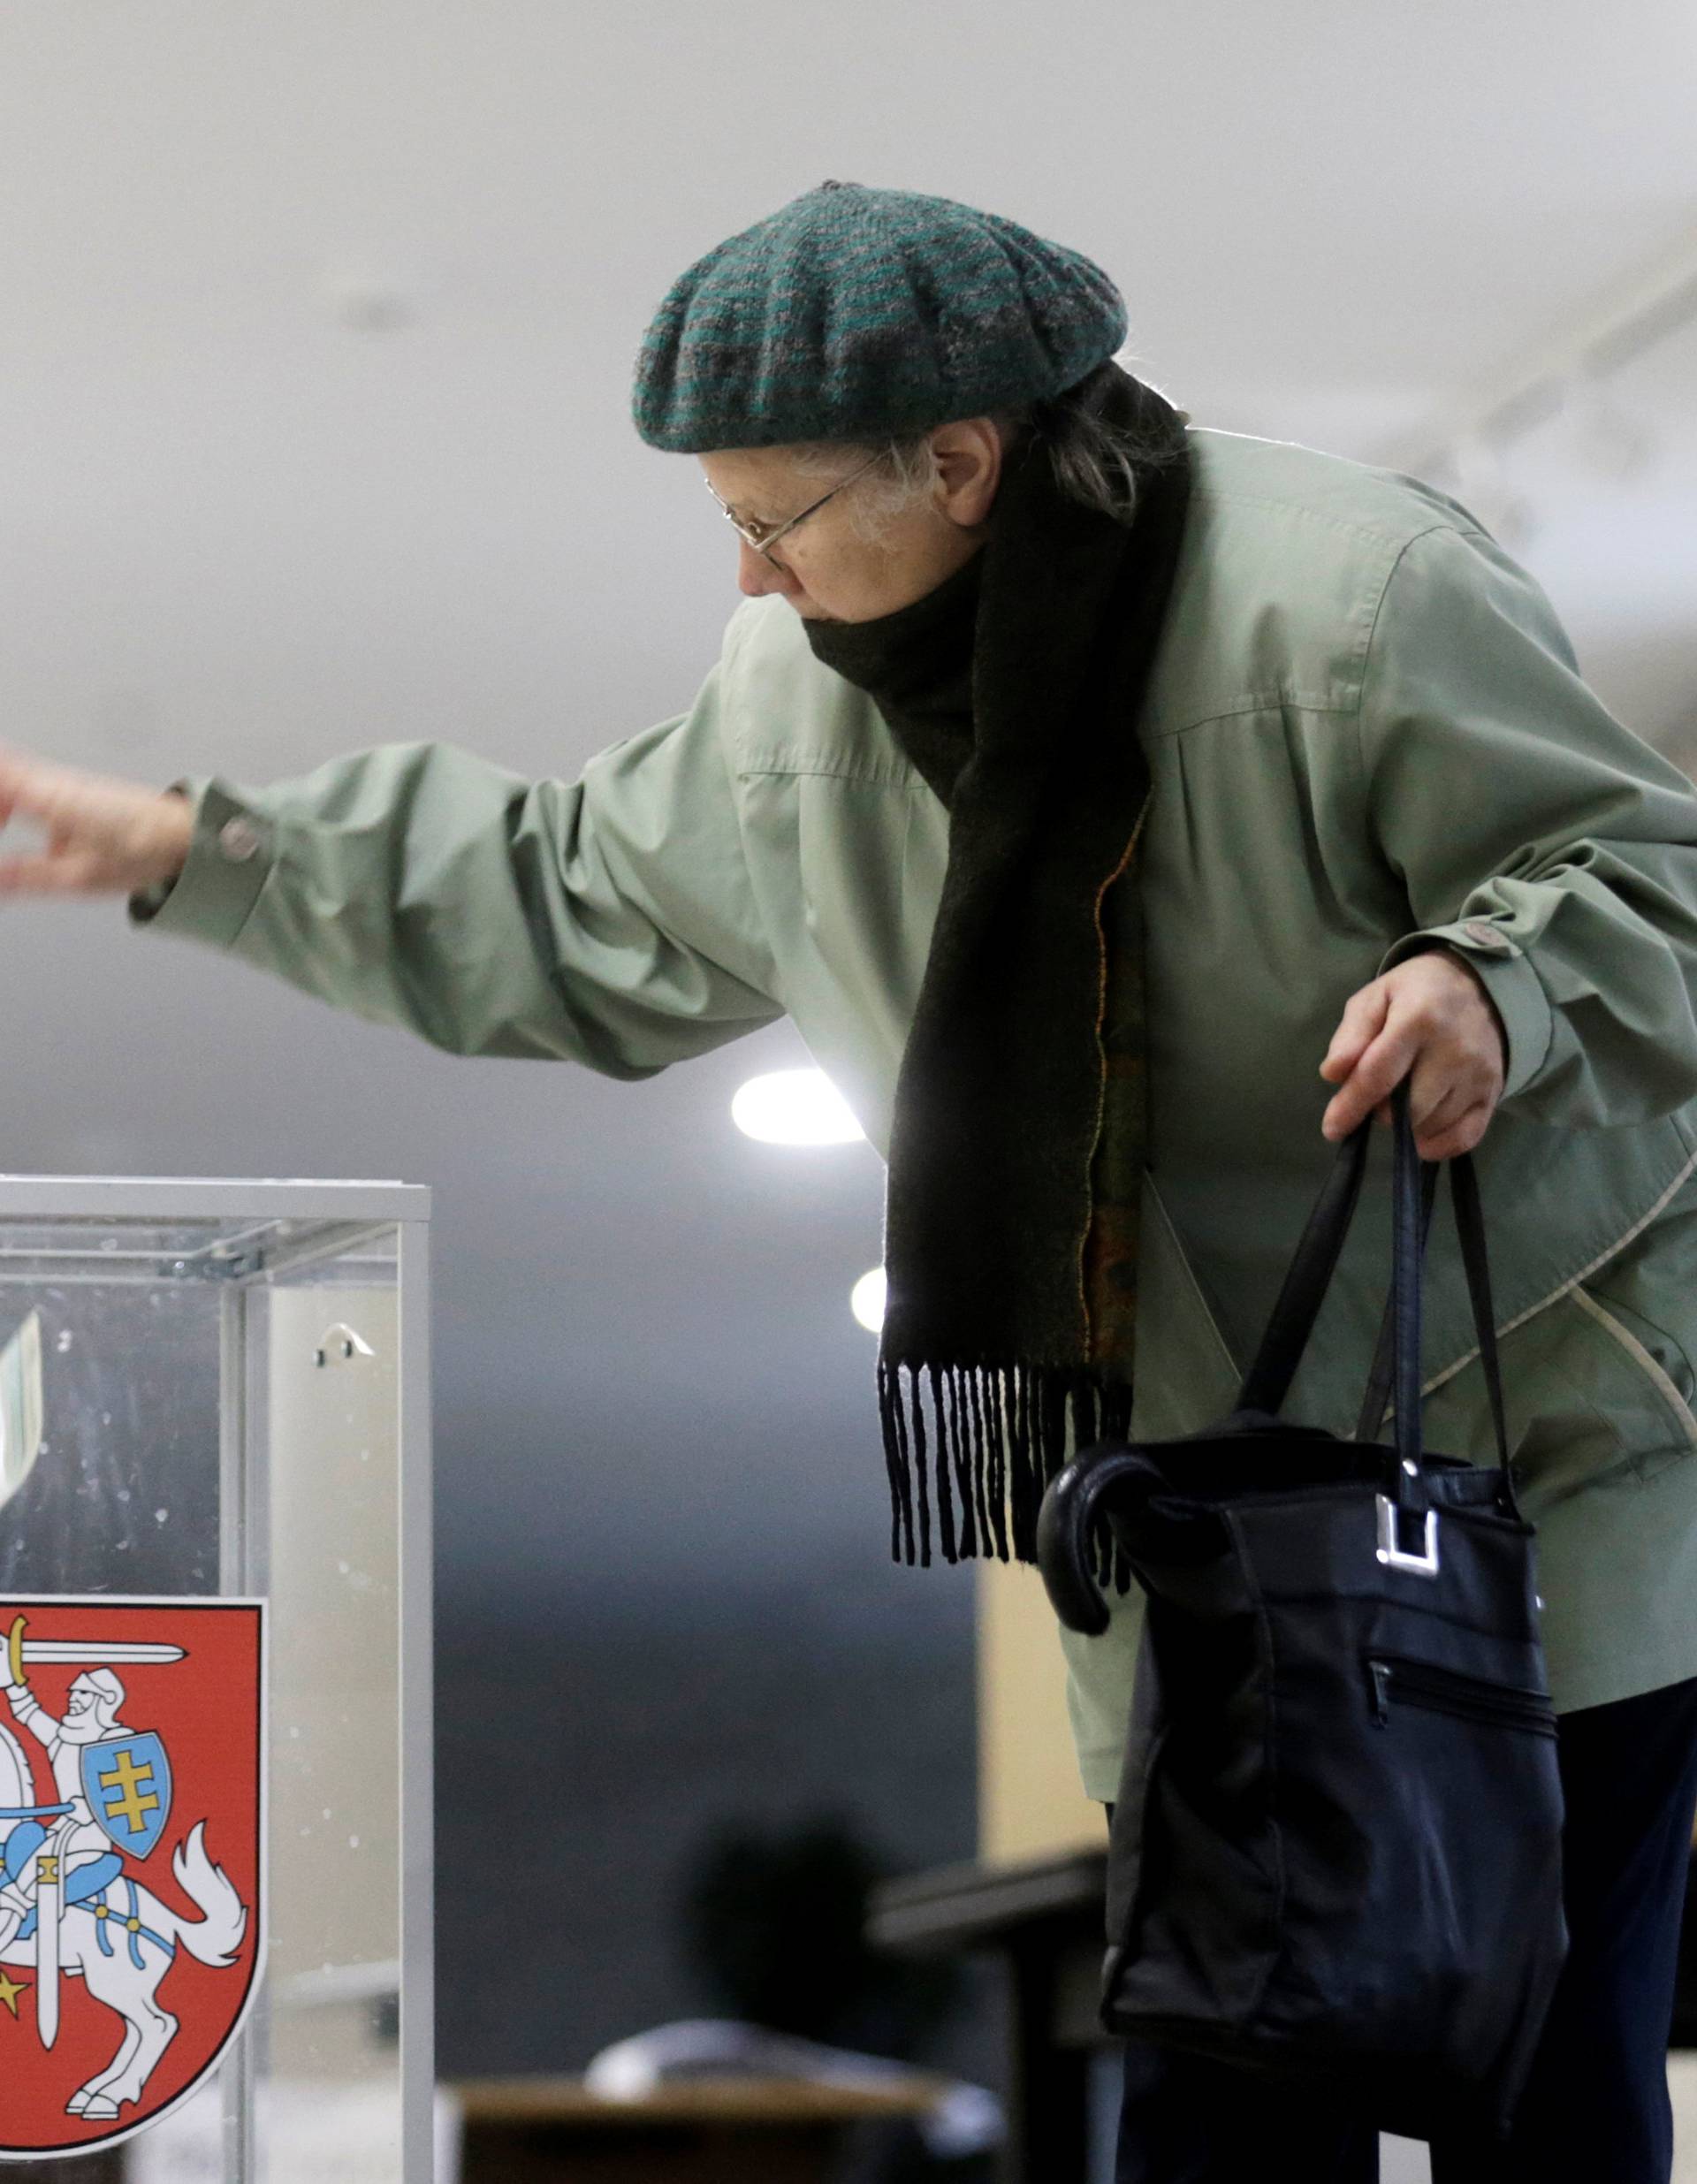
<point x="1483" y="935"/>
<point x="239" y="839"/>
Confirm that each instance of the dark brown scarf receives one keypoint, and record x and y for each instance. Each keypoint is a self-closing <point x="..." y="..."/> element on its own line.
<point x="1015" y="688"/>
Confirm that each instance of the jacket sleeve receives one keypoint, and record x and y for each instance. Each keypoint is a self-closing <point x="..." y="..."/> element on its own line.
<point x="608" y="921"/>
<point x="1537" y="837"/>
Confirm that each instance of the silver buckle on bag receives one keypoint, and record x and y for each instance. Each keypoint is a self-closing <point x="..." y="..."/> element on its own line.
<point x="1392" y="1552"/>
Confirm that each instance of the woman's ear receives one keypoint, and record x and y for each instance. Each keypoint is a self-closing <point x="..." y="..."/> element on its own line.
<point x="968" y="456"/>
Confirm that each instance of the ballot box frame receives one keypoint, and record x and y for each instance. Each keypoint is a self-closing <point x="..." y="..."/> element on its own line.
<point x="297" y="1224"/>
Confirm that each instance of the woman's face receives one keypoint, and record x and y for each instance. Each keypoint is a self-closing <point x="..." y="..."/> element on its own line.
<point x="824" y="567"/>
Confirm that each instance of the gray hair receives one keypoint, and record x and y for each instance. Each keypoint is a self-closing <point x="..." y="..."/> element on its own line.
<point x="1100" y="465"/>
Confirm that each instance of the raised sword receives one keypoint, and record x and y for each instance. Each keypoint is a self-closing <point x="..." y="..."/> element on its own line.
<point x="105" y="1652"/>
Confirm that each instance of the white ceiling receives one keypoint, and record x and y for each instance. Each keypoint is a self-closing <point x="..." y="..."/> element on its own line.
<point x="317" y="325"/>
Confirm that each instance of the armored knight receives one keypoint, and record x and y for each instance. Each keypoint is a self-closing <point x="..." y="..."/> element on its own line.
<point x="76" y="1839"/>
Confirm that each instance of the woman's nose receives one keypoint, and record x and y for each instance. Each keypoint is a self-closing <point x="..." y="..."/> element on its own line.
<point x="756" y="576"/>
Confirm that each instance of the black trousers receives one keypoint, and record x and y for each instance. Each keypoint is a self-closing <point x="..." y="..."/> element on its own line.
<point x="1595" y="2108"/>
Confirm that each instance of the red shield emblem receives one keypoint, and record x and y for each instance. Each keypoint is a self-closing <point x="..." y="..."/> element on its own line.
<point x="132" y="1857"/>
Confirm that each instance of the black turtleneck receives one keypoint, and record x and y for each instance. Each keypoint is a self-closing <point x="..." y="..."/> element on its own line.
<point x="915" y="666"/>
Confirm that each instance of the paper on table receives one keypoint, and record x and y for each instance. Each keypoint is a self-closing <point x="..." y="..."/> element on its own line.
<point x="20" y="1406"/>
<point x="964" y="2120"/>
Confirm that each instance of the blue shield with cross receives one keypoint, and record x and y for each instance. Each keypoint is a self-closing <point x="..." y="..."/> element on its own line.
<point x="127" y="1781"/>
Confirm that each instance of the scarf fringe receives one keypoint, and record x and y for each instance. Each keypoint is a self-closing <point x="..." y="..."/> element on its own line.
<point x="980" y="1417"/>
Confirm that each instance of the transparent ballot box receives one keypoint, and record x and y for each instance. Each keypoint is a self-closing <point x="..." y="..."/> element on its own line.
<point x="215" y="1644"/>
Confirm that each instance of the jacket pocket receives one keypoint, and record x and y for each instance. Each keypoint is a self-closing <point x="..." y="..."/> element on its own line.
<point x="1645" y="1301"/>
<point x="1592" y="1393"/>
<point x="1660" y="1362"/>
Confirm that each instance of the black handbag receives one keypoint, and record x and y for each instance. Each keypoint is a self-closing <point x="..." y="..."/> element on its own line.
<point x="1335" y="1853"/>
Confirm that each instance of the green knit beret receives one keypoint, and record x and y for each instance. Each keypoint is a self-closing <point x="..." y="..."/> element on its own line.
<point x="854" y="312"/>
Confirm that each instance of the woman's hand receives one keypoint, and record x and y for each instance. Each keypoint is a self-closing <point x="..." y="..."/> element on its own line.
<point x="1432" y="1021"/>
<point x="103" y="836"/>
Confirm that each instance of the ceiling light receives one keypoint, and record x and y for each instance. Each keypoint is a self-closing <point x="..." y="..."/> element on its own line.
<point x="866" y="1300"/>
<point x="794" y="1108"/>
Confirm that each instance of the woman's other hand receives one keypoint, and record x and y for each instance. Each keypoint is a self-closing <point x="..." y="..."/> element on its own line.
<point x="102" y="836"/>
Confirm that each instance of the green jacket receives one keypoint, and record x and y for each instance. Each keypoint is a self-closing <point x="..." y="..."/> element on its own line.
<point x="1366" y="730"/>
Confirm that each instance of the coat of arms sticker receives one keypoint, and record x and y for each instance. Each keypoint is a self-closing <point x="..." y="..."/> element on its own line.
<point x="132" y="1857"/>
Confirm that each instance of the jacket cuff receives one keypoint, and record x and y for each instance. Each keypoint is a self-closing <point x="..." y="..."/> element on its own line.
<point x="1512" y="984"/>
<point x="230" y="859"/>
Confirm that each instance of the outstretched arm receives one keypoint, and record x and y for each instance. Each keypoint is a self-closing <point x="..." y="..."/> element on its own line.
<point x="608" y="921"/>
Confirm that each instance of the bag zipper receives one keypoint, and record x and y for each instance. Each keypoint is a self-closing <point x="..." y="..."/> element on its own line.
<point x="1445" y="1690"/>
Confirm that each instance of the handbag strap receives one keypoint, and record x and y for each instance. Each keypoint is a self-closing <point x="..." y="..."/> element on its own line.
<point x="1470" y="1228"/>
<point x="1307" y="1278"/>
<point x="1397" y="1363"/>
<point x="1407" y="1297"/>
<point x="1376" y="1401"/>
<point x="1470" y="1224"/>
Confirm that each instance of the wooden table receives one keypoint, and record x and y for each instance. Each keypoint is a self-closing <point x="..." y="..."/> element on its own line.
<point x="698" y="2130"/>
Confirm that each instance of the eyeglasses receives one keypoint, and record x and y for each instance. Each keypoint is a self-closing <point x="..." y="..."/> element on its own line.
<point x="763" y="536"/>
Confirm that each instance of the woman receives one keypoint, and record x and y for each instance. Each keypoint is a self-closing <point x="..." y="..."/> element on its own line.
<point x="1089" y="788"/>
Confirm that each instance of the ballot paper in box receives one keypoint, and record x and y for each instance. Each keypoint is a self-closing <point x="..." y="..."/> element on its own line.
<point x="214" y="1673"/>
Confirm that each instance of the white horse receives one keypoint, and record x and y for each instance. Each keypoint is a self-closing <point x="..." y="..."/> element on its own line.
<point x="123" y="1941"/>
